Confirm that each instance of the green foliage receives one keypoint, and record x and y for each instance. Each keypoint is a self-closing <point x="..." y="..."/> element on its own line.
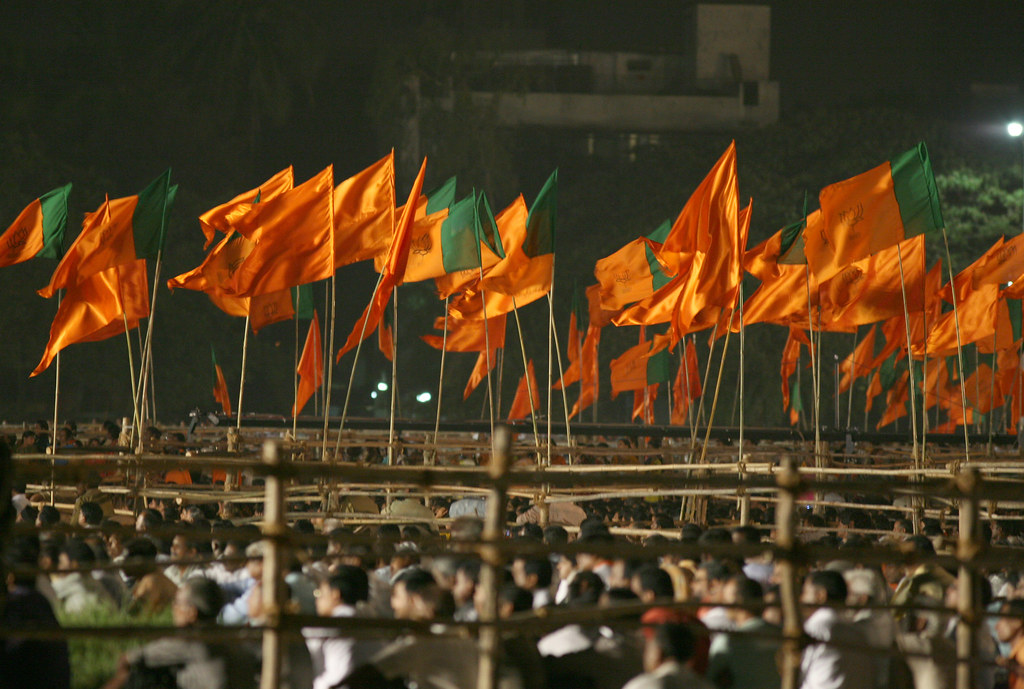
<point x="94" y="658"/>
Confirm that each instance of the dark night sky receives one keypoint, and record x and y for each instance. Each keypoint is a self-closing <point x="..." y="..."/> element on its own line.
<point x="112" y="93"/>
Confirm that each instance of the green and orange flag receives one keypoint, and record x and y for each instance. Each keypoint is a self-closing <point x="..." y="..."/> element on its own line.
<point x="120" y="231"/>
<point x="862" y="215"/>
<point x="633" y="272"/>
<point x="38" y="231"/>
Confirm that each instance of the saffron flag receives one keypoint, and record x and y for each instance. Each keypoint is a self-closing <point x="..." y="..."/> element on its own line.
<point x="494" y="230"/>
<point x="858" y="363"/>
<point x="293" y="235"/>
<point x="572" y="373"/>
<point x="214" y="273"/>
<point x="386" y="335"/>
<point x="120" y="231"/>
<point x="633" y="272"/>
<point x="790" y="360"/>
<point x="97" y="307"/>
<point x="527" y="398"/>
<point x="220" y="386"/>
<point x="876" y="209"/>
<point x="38" y="231"/>
<point x="468" y="336"/>
<point x="687" y="385"/>
<point x="525" y="272"/>
<point x="643" y="403"/>
<point x="983" y="394"/>
<point x="589" y="379"/>
<point x="311" y="367"/>
<point x="880" y="286"/>
<point x="364" y="213"/>
<point x="447" y="244"/>
<point x="643" y="364"/>
<point x="1006" y="264"/>
<point x="896" y="401"/>
<point x="223" y="217"/>
<point x="394" y="265"/>
<point x="484" y="364"/>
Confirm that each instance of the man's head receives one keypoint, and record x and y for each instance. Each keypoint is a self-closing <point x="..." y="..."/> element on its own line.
<point x="824" y="586"/>
<point x="672" y="641"/>
<point x="532" y="573"/>
<point x="415" y="595"/>
<point x="512" y="598"/>
<point x="198" y="601"/>
<point x="48" y="516"/>
<point x="90" y="515"/>
<point x="148" y="520"/>
<point x="75" y="553"/>
<point x="348" y="585"/>
<point x="709" y="579"/>
<point x="467" y="574"/>
<point x="183" y="547"/>
<point x="741" y="590"/>
<point x="651" y="583"/>
<point x="139" y="557"/>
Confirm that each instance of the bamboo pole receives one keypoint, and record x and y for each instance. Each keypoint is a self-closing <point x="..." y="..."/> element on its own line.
<point x="551" y="336"/>
<point x="56" y="399"/>
<point x="440" y="382"/>
<point x="561" y="376"/>
<point x="968" y="547"/>
<point x="529" y="387"/>
<point x="492" y="562"/>
<point x="274" y="558"/>
<point x="959" y="345"/>
<point x="147" y="350"/>
<point x="701" y="504"/>
<point x="136" y="419"/>
<point x="241" y="378"/>
<point x="786" y="567"/>
<point x="704" y="385"/>
<point x="355" y="360"/>
<point x="329" y="361"/>
<point x="815" y="371"/>
<point x="295" y="368"/>
<point x="744" y="498"/>
<point x="911" y="382"/>
<point x="394" y="378"/>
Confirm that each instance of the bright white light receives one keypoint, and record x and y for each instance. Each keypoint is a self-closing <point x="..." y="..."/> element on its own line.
<point x="373" y="395"/>
<point x="1014" y="129"/>
<point x="423" y="397"/>
<point x="382" y="386"/>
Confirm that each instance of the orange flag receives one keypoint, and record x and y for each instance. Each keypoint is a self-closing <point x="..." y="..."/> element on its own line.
<point x="629" y="371"/>
<point x="484" y="363"/>
<point x="1006" y="264"/>
<point x="896" y="401"/>
<point x="982" y="392"/>
<point x="589" y="380"/>
<point x="859" y="362"/>
<point x="223" y="217"/>
<point x="782" y="300"/>
<point x="935" y="383"/>
<point x="643" y="403"/>
<point x="978" y="314"/>
<point x="871" y="289"/>
<point x="293" y="235"/>
<point x="527" y="399"/>
<point x="790" y="358"/>
<point x="468" y="336"/>
<point x="311" y="367"/>
<point x="216" y="270"/>
<point x="220" y="386"/>
<point x="394" y="265"/>
<point x="572" y="373"/>
<point x="96" y="308"/>
<point x="364" y="213"/>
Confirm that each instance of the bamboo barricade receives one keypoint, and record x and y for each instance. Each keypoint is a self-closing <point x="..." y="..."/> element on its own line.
<point x="965" y="486"/>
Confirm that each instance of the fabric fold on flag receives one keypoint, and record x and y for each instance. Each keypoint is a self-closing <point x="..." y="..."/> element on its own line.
<point x="526" y="402"/>
<point x="223" y="217"/>
<point x="311" y="367"/>
<point x="220" y="386"/>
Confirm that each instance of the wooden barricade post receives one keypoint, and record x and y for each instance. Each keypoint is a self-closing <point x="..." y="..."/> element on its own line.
<point x="968" y="546"/>
<point x="274" y="528"/>
<point x="789" y="594"/>
<point x="491" y="561"/>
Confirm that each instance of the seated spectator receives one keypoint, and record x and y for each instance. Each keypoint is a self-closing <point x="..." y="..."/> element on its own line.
<point x="534" y="575"/>
<point x="77" y="591"/>
<point x="747" y="657"/>
<point x="186" y="662"/>
<point x="150" y="591"/>
<point x="334" y="656"/>
<point x="1010" y="630"/>
<point x="667" y="649"/>
<point x="824" y="664"/>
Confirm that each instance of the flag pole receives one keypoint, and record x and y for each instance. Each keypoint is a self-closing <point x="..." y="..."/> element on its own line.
<point x="147" y="349"/>
<point x="394" y="376"/>
<point x="815" y="356"/>
<point x="561" y="376"/>
<point x="704" y="385"/>
<point x="912" y="385"/>
<point x="487" y="350"/>
<point x="551" y="336"/>
<point x="440" y="382"/>
<point x="295" y="369"/>
<point x="526" y="374"/>
<point x="241" y="378"/>
<point x="959" y="346"/>
<point x="924" y="375"/>
<point x="355" y="360"/>
<point x="745" y="498"/>
<point x="136" y="418"/>
<point x="992" y="389"/>
<point x="329" y="360"/>
<point x="684" y="364"/>
<point x="56" y="398"/>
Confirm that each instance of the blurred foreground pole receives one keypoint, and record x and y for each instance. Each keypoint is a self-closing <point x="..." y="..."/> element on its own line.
<point x="273" y="575"/>
<point x="789" y="594"/>
<point x="491" y="557"/>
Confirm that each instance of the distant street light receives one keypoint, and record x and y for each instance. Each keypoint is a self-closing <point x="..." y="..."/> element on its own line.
<point x="423" y="397"/>
<point x="373" y="395"/>
<point x="1015" y="129"/>
<point x="382" y="386"/>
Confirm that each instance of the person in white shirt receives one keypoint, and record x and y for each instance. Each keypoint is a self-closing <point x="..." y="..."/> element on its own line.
<point x="334" y="656"/>
<point x="830" y="664"/>
<point x="665" y="655"/>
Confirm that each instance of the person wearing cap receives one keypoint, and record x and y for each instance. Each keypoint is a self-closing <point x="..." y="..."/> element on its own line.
<point x="668" y="648"/>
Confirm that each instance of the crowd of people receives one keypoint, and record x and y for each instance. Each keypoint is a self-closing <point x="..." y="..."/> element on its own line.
<point x="706" y="616"/>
